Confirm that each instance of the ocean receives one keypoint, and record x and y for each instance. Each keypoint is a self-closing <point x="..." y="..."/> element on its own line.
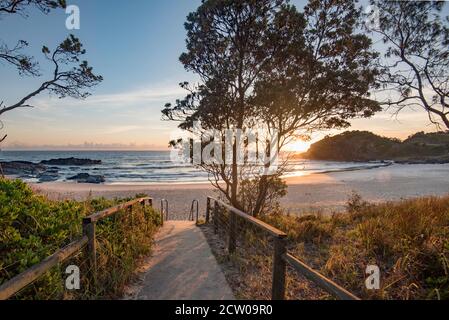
<point x="147" y="167"/>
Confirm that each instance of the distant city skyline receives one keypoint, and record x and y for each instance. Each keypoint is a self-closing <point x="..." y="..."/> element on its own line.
<point x="135" y="47"/>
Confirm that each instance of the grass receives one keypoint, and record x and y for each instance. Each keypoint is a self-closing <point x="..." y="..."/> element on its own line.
<point x="33" y="227"/>
<point x="408" y="240"/>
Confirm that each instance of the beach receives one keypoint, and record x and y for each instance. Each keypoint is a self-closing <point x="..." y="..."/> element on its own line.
<point x="315" y="193"/>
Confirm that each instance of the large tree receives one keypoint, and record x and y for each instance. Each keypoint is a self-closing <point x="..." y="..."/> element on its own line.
<point x="265" y="65"/>
<point x="416" y="61"/>
<point x="70" y="76"/>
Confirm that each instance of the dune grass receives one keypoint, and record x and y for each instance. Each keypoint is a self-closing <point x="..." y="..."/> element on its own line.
<point x="408" y="240"/>
<point x="33" y="227"/>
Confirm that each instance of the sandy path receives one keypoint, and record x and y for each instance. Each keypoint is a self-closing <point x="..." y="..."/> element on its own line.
<point x="182" y="267"/>
<point x="317" y="192"/>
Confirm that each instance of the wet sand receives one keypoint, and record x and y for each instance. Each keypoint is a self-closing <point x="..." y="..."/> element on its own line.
<point x="324" y="193"/>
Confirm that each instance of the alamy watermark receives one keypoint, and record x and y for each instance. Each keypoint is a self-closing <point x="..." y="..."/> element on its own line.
<point x="257" y="148"/>
<point x="73" y="21"/>
<point x="372" y="282"/>
<point x="72" y="282"/>
<point x="372" y="20"/>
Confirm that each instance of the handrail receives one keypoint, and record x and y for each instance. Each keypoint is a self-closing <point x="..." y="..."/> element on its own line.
<point x="265" y="226"/>
<point x="191" y="216"/>
<point x="280" y="255"/>
<point x="318" y="278"/>
<point x="110" y="211"/>
<point x="23" y="279"/>
<point x="166" y="208"/>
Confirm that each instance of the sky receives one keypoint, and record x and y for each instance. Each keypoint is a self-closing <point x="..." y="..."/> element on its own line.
<point x="135" y="46"/>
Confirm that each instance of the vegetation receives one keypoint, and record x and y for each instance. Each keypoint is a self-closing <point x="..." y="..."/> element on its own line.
<point x="70" y="77"/>
<point x="408" y="240"/>
<point x="33" y="227"/>
<point x="366" y="146"/>
<point x="415" y="64"/>
<point x="265" y="65"/>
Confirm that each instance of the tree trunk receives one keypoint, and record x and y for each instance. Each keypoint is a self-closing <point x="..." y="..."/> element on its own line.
<point x="234" y="184"/>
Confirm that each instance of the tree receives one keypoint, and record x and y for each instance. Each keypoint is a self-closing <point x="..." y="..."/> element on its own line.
<point x="265" y="65"/>
<point x="416" y="62"/>
<point x="21" y="6"/>
<point x="66" y="81"/>
<point x="71" y="75"/>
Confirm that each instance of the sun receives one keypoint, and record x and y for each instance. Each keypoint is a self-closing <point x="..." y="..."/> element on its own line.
<point x="298" y="146"/>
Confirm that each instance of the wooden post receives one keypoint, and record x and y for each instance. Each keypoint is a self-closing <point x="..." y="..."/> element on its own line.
<point x="150" y="202"/>
<point x="89" y="231"/>
<point x="144" y="214"/>
<point x="162" y="215"/>
<point x="279" y="269"/>
<point x="207" y="210"/>
<point x="131" y="213"/>
<point x="215" y="217"/>
<point x="232" y="231"/>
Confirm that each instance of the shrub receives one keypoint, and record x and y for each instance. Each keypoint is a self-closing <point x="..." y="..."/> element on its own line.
<point x="33" y="227"/>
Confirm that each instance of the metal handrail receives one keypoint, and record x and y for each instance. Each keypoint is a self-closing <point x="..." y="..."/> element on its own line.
<point x="166" y="208"/>
<point x="192" y="208"/>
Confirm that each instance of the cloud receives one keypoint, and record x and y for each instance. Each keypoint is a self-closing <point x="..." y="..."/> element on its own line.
<point x="83" y="146"/>
<point x="148" y="94"/>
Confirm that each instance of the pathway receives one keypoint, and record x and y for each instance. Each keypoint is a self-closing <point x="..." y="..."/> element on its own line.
<point x="182" y="267"/>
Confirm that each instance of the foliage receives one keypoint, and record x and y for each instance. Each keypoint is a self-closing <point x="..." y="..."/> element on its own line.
<point x="408" y="240"/>
<point x="415" y="68"/>
<point x="367" y="146"/>
<point x="70" y="77"/>
<point x="33" y="227"/>
<point x="265" y="65"/>
<point x="21" y="6"/>
<point x="275" y="189"/>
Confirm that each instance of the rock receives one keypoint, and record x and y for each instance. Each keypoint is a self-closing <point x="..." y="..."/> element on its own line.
<point x="70" y="162"/>
<point x="21" y="168"/>
<point x="48" y="177"/>
<point x="87" y="178"/>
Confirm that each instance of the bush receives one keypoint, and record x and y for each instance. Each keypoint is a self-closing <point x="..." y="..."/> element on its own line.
<point x="33" y="227"/>
<point x="408" y="240"/>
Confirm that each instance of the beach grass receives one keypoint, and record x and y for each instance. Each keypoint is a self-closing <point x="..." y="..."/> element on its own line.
<point x="33" y="227"/>
<point x="408" y="240"/>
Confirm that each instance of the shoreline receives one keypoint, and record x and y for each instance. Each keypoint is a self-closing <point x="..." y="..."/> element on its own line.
<point x="315" y="193"/>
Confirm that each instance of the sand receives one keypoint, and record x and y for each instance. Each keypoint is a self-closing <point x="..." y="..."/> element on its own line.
<point x="323" y="193"/>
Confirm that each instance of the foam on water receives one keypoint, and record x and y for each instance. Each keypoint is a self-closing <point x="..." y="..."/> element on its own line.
<point x="141" y="167"/>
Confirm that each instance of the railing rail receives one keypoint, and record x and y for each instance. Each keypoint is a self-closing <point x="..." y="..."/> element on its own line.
<point x="164" y="209"/>
<point x="280" y="255"/>
<point x="194" y="211"/>
<point x="23" y="279"/>
<point x="20" y="281"/>
<point x="317" y="278"/>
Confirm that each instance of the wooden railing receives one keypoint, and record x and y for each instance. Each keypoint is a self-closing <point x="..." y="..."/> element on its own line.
<point x="280" y="255"/>
<point x="30" y="275"/>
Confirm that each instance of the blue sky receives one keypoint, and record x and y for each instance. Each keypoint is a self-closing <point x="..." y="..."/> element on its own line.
<point x="135" y="46"/>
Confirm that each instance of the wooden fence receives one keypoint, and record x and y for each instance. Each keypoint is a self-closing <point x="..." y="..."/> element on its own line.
<point x="280" y="255"/>
<point x="30" y="275"/>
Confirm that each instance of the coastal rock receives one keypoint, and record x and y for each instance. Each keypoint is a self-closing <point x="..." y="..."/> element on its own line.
<point x="20" y="168"/>
<point x="70" y="162"/>
<point x="48" y="177"/>
<point x="87" y="178"/>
